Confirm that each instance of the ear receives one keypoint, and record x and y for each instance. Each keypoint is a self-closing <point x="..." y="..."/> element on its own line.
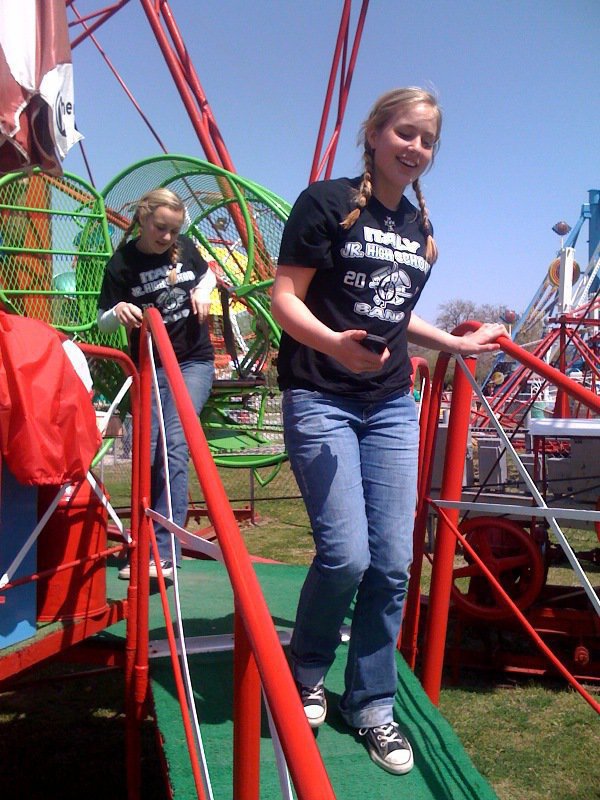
<point x="372" y="138"/>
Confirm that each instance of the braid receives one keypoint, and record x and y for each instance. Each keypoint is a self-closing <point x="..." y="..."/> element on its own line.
<point x="431" y="251"/>
<point x="350" y="219"/>
<point x="128" y="231"/>
<point x="364" y="192"/>
<point x="174" y="258"/>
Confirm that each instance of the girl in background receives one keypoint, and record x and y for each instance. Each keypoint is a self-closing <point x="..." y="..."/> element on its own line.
<point x="160" y="268"/>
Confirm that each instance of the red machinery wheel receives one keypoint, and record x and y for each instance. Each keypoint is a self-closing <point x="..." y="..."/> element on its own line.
<point x="512" y="557"/>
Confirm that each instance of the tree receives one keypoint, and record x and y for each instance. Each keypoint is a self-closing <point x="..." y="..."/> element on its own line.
<point x="453" y="312"/>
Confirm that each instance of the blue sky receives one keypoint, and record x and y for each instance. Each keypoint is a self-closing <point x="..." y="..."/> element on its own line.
<point x="517" y="80"/>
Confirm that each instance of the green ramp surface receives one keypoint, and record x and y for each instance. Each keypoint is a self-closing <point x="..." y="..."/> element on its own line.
<point x="443" y="770"/>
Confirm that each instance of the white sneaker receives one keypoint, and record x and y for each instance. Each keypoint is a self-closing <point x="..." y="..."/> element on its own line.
<point x="167" y="571"/>
<point x="166" y="567"/>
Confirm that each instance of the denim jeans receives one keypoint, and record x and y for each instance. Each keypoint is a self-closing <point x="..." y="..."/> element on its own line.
<point x="356" y="466"/>
<point x="198" y="377"/>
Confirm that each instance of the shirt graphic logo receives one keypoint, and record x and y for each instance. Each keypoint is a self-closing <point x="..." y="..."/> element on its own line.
<point x="392" y="286"/>
<point x="161" y="289"/>
<point x="169" y="301"/>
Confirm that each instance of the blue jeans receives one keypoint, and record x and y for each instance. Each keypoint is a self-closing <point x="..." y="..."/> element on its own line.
<point x="356" y="466"/>
<point x="198" y="377"/>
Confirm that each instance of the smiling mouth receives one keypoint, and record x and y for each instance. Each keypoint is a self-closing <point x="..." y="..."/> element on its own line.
<point x="408" y="164"/>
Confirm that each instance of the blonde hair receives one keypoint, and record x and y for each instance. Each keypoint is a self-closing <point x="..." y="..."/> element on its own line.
<point x="147" y="204"/>
<point x="384" y="108"/>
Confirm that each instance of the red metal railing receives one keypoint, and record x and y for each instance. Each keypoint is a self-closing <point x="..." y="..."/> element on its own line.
<point x="506" y="402"/>
<point x="410" y="625"/>
<point x="451" y="490"/>
<point x="134" y="702"/>
<point x="257" y="650"/>
<point x="85" y="627"/>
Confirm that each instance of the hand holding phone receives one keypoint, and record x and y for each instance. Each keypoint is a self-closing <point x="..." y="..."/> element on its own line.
<point x="376" y="344"/>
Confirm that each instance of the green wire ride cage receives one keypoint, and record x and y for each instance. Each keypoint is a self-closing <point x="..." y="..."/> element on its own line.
<point x="56" y="235"/>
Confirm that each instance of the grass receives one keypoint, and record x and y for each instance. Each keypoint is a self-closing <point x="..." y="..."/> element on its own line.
<point x="532" y="739"/>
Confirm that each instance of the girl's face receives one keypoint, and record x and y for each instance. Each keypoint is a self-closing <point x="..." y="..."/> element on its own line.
<point x="403" y="149"/>
<point x="159" y="229"/>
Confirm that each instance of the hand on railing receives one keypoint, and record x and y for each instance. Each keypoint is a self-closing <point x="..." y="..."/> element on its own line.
<point x="482" y="340"/>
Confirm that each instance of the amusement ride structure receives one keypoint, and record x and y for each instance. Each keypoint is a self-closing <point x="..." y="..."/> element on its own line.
<point x="492" y="541"/>
<point x="535" y="439"/>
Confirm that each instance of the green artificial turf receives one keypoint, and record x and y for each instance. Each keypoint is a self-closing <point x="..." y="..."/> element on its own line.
<point x="442" y="768"/>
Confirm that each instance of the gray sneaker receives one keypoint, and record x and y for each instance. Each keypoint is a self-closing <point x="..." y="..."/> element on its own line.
<point x="389" y="748"/>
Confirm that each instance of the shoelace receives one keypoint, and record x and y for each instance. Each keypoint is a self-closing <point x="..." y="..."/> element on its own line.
<point x="386" y="733"/>
<point x="315" y="693"/>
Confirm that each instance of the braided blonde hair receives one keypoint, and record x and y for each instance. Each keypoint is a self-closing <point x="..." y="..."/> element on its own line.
<point x="383" y="110"/>
<point x="146" y="205"/>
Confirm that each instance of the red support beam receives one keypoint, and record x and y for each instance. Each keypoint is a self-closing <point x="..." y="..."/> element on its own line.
<point x="298" y="742"/>
<point x="445" y="541"/>
<point x="187" y="82"/>
<point x="246" y="718"/>
<point x="460" y="411"/>
<point x="324" y="161"/>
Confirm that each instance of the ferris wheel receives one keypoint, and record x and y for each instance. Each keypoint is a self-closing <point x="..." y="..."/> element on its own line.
<point x="567" y="288"/>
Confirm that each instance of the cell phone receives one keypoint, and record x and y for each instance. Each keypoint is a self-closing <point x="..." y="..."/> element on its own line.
<point x="376" y="344"/>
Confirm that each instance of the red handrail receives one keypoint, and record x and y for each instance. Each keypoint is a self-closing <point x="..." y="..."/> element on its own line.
<point x="460" y="411"/>
<point x="506" y="599"/>
<point x="302" y="755"/>
<point x="135" y="688"/>
<point x="412" y="607"/>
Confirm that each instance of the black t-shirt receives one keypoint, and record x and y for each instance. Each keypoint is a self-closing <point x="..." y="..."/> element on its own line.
<point x="367" y="278"/>
<point x="141" y="278"/>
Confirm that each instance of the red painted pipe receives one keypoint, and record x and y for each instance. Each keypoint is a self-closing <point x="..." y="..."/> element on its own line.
<point x="303" y="758"/>
<point x="345" y="81"/>
<point x="135" y="675"/>
<point x="499" y="590"/>
<point x="246" y="718"/>
<point x="412" y="606"/>
<point x="199" y="122"/>
<point x="186" y="717"/>
<point x="445" y="542"/>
